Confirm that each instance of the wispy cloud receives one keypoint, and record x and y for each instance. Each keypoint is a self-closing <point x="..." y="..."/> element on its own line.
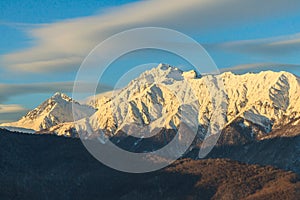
<point x="10" y="90"/>
<point x="62" y="46"/>
<point x="61" y="64"/>
<point x="11" y="108"/>
<point x="256" y="67"/>
<point x="272" y="46"/>
<point x="11" y="112"/>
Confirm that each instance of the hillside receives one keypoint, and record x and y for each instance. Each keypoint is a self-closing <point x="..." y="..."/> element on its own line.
<point x="52" y="167"/>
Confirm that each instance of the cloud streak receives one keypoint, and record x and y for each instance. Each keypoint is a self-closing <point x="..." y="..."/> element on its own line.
<point x="273" y="46"/>
<point x="257" y="67"/>
<point x="10" y="112"/>
<point x="61" y="46"/>
<point x="11" y="108"/>
<point x="10" y="90"/>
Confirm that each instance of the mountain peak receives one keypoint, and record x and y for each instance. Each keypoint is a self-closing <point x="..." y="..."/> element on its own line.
<point x="61" y="96"/>
<point x="55" y="110"/>
<point x="228" y="74"/>
<point x="164" y="66"/>
<point x="57" y="94"/>
<point x="164" y="73"/>
<point x="167" y="69"/>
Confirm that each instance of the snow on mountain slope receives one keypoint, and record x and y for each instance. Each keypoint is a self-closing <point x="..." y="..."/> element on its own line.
<point x="99" y="99"/>
<point x="267" y="100"/>
<point x="274" y="95"/>
<point x="165" y="97"/>
<point x="55" y="110"/>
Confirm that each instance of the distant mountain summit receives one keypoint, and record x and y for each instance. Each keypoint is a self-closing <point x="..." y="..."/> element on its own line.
<point x="53" y="111"/>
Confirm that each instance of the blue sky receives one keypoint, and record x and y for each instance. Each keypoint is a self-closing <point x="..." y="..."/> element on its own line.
<point x="43" y="43"/>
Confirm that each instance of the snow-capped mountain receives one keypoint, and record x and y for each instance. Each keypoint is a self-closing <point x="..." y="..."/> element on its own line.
<point x="53" y="111"/>
<point x="164" y="96"/>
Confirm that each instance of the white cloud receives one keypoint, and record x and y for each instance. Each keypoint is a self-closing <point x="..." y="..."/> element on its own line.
<point x="256" y="67"/>
<point x="11" y="112"/>
<point x="10" y="90"/>
<point x="62" y="46"/>
<point x="287" y="40"/>
<point x="46" y="65"/>
<point x="265" y="46"/>
<point x="11" y="108"/>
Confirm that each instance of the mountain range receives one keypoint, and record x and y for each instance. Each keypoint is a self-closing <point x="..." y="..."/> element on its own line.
<point x="162" y="96"/>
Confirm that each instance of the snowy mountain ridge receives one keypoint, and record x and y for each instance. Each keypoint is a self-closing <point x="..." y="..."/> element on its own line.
<point x="163" y="96"/>
<point x="267" y="99"/>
